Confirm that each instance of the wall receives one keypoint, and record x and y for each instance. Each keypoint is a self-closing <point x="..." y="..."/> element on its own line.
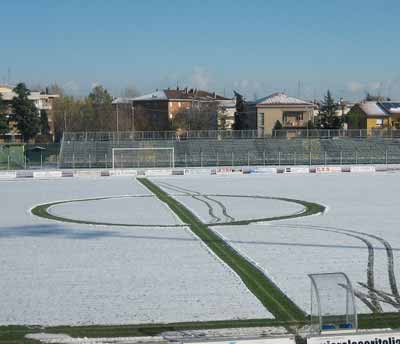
<point x="272" y="114"/>
<point x="371" y="122"/>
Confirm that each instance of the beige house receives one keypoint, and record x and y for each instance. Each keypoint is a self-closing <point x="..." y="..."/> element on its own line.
<point x="289" y="111"/>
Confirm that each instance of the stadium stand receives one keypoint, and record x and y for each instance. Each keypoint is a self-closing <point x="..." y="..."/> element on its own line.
<point x="83" y="152"/>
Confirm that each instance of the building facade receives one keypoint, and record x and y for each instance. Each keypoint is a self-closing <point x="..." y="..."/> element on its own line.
<point x="42" y="101"/>
<point x="374" y="115"/>
<point x="291" y="112"/>
<point x="176" y="109"/>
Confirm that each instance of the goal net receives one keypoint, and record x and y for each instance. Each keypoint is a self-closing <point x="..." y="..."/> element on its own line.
<point x="332" y="303"/>
<point x="150" y="157"/>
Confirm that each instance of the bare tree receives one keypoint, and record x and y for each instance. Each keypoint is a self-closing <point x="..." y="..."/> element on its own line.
<point x="200" y="116"/>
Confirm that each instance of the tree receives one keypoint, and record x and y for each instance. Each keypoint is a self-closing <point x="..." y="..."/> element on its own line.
<point x="44" y="123"/>
<point x="310" y="124"/>
<point x="327" y="118"/>
<point x="25" y="113"/>
<point x="200" y="116"/>
<point x="3" y="118"/>
<point x="277" y="125"/>
<point x="99" y="110"/>
<point x="373" y="97"/>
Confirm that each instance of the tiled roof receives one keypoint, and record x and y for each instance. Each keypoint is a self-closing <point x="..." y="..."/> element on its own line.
<point x="281" y="98"/>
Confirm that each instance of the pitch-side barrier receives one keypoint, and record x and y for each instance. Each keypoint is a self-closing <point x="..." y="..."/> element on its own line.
<point x="218" y="171"/>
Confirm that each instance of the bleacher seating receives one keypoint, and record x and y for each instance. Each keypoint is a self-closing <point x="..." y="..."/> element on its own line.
<point x="239" y="152"/>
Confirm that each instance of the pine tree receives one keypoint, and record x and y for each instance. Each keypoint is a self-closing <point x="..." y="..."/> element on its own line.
<point x="25" y="114"/>
<point x="327" y="118"/>
<point x="44" y="123"/>
<point x="3" y="118"/>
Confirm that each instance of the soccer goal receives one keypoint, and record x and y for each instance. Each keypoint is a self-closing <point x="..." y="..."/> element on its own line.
<point x="148" y="157"/>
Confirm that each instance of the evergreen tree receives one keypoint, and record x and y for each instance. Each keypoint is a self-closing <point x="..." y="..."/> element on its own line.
<point x="327" y="118"/>
<point x="278" y="125"/>
<point x="3" y="118"/>
<point x="44" y="123"/>
<point x="25" y="114"/>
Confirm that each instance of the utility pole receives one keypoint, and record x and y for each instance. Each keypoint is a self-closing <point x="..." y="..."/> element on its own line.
<point x="117" y="117"/>
<point x="133" y="118"/>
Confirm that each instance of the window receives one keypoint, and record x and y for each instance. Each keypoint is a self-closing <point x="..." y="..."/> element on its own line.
<point x="293" y="118"/>
<point x="261" y="120"/>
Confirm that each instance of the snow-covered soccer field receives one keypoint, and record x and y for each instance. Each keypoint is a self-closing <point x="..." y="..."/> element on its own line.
<point x="289" y="250"/>
<point x="59" y="273"/>
<point x="66" y="273"/>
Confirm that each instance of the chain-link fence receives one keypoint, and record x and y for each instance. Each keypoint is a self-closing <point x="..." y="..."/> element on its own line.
<point x="250" y="158"/>
<point x="286" y="133"/>
<point x="29" y="156"/>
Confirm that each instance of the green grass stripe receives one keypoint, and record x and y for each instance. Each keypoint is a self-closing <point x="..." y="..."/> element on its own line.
<point x="14" y="334"/>
<point x="255" y="280"/>
<point x="310" y="208"/>
<point x="42" y="210"/>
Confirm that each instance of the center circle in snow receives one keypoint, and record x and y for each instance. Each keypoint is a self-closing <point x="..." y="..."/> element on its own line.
<point x="148" y="211"/>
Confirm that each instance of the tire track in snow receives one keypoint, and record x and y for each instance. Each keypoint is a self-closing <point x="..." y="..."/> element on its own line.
<point x="195" y="196"/>
<point x="389" y="255"/>
<point x="223" y="208"/>
<point x="192" y="193"/>
<point x="370" y="265"/>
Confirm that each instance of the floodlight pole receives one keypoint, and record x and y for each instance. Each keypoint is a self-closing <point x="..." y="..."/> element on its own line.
<point x="117" y="118"/>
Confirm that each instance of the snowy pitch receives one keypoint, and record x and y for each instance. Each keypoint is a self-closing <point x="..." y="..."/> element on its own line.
<point x="361" y="225"/>
<point x="55" y="273"/>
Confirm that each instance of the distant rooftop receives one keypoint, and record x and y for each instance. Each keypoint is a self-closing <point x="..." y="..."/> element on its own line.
<point x="180" y="94"/>
<point x="378" y="108"/>
<point x="371" y="108"/>
<point x="281" y="98"/>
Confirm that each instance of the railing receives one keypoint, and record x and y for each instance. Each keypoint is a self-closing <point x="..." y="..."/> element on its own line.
<point x="230" y="134"/>
<point x="235" y="159"/>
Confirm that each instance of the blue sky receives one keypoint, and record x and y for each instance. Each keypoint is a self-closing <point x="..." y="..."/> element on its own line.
<point x="256" y="47"/>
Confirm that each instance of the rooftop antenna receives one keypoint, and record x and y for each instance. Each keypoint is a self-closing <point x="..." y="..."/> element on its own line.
<point x="298" y="89"/>
<point x="8" y="76"/>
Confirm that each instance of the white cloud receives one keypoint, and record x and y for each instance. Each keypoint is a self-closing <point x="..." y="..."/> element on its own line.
<point x="94" y="84"/>
<point x="201" y="78"/>
<point x="355" y="86"/>
<point x="72" y="87"/>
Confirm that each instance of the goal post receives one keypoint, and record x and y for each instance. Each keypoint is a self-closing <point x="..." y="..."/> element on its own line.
<point x="143" y="157"/>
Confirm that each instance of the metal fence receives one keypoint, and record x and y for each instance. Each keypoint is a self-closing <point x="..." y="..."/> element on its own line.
<point x="29" y="156"/>
<point x="250" y="158"/>
<point x="230" y="134"/>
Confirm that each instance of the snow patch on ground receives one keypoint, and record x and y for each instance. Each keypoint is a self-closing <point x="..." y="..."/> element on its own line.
<point x="56" y="273"/>
<point x="289" y="250"/>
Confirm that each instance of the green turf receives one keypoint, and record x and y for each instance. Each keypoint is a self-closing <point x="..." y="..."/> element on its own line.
<point x="257" y="282"/>
<point x="15" y="334"/>
<point x="42" y="210"/>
